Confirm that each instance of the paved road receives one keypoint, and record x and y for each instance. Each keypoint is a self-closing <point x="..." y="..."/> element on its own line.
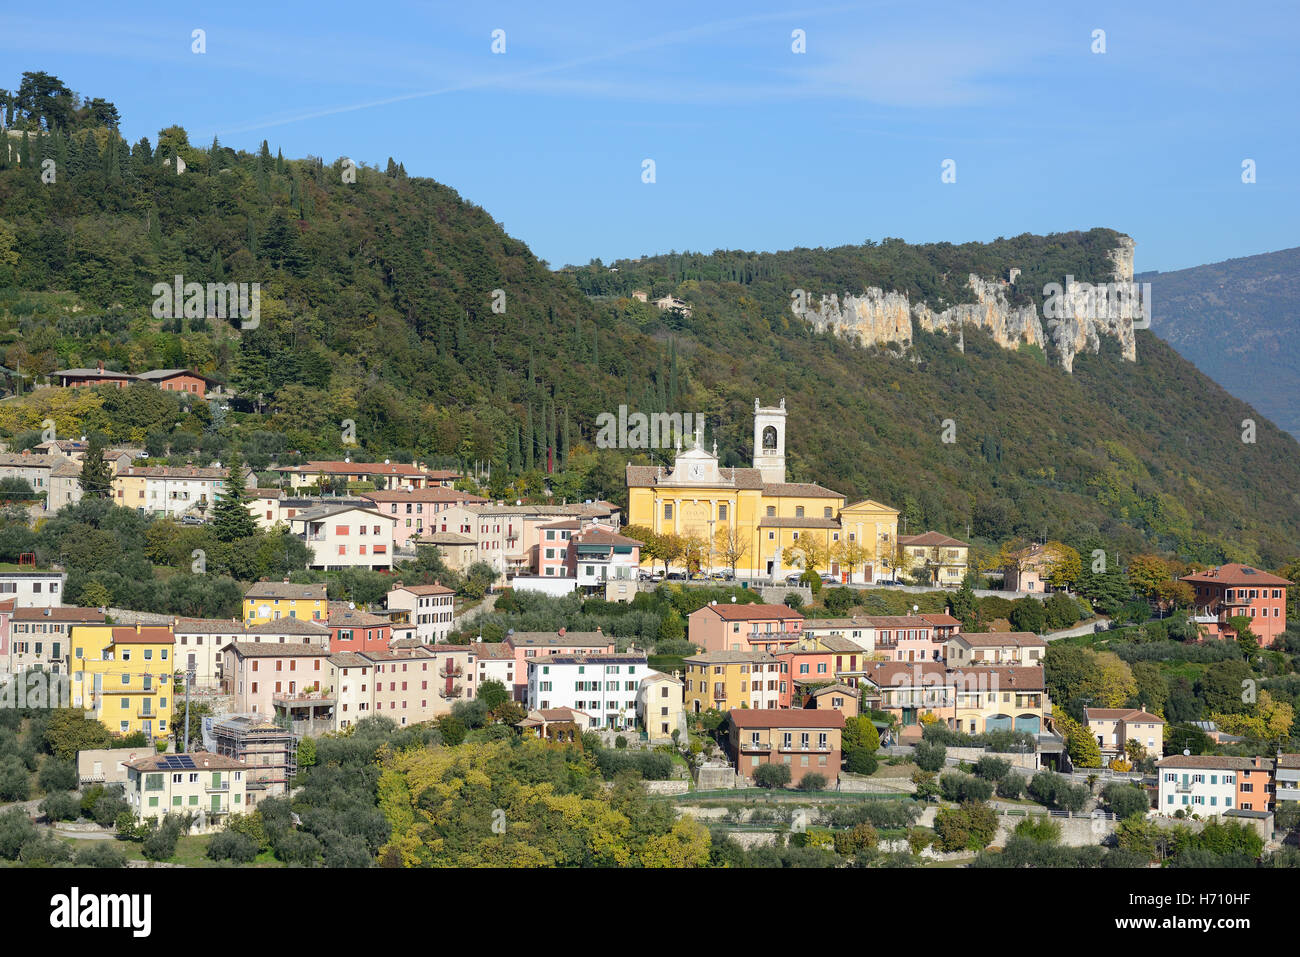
<point x="1087" y="628"/>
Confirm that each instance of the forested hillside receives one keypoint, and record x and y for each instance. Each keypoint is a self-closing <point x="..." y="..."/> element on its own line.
<point x="377" y="306"/>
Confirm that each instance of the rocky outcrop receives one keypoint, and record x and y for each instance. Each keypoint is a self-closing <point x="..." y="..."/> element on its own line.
<point x="1008" y="325"/>
<point x="1077" y="314"/>
<point x="874" y="318"/>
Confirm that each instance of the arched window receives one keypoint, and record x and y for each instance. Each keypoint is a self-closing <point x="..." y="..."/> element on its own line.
<point x="769" y="438"/>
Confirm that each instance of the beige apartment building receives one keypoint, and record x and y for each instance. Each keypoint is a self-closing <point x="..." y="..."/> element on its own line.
<point x="209" y="786"/>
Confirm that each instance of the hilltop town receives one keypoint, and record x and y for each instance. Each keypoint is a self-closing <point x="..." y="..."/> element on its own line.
<point x="726" y="634"/>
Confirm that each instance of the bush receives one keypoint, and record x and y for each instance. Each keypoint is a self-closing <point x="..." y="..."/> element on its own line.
<point x="919" y="838"/>
<point x="61" y="807"/>
<point x="232" y="846"/>
<point x="1011" y="787"/>
<point x="298" y="849"/>
<point x="955" y="786"/>
<point x="860" y="837"/>
<point x="651" y="765"/>
<point x="45" y="851"/>
<point x="126" y="826"/>
<point x="812" y="782"/>
<point x="957" y="831"/>
<point x="992" y="769"/>
<point x="861" y="761"/>
<point x="1041" y="829"/>
<point x="160" y="843"/>
<point x="453" y="730"/>
<point x="16" y="829"/>
<point x="1055" y="790"/>
<point x="772" y="775"/>
<point x="620" y="742"/>
<point x="109" y="805"/>
<point x="1125" y="800"/>
<point x="929" y="756"/>
<point x="14" y="784"/>
<point x="57" y="775"/>
<point x="102" y="854"/>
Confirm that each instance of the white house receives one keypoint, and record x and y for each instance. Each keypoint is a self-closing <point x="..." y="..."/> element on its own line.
<point x="33" y="589"/>
<point x="346" y="536"/>
<point x="496" y="662"/>
<point x="1204" y="784"/>
<point x="430" y="607"/>
<point x="605" y="686"/>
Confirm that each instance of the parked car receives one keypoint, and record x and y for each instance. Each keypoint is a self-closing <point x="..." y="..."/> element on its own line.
<point x="794" y="579"/>
<point x="830" y="580"/>
<point x="676" y="576"/>
<point x="699" y="577"/>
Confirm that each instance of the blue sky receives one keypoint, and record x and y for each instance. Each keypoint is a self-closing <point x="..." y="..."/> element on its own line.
<point x="755" y="146"/>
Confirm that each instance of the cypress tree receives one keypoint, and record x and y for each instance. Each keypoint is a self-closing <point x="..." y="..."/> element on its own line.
<point x="529" y="445"/>
<point x="96" y="478"/>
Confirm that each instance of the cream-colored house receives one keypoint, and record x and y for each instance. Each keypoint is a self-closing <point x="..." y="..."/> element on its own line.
<point x="995" y="648"/>
<point x="209" y="786"/>
<point x="940" y="558"/>
<point x="1114" y="728"/>
<point x="660" y="704"/>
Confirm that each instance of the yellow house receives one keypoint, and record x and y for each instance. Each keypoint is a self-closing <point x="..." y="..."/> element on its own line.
<point x="735" y="679"/>
<point x="269" y="601"/>
<point x="994" y="699"/>
<point x="753" y="517"/>
<point x="122" y="676"/>
<point x="940" y="558"/>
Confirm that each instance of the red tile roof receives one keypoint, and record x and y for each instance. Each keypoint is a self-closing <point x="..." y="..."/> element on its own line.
<point x="1235" y="574"/>
<point x="786" y="718"/>
<point x="731" y="612"/>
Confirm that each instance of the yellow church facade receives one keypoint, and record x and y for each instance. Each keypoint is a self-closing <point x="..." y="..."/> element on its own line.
<point x="757" y="514"/>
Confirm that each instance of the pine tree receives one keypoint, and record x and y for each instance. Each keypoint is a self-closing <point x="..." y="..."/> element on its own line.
<point x="96" y="478"/>
<point x="231" y="519"/>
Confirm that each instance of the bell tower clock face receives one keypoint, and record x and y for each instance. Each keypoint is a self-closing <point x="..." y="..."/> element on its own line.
<point x="697" y="471"/>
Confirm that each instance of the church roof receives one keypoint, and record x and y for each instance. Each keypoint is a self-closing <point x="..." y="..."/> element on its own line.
<point x="650" y="476"/>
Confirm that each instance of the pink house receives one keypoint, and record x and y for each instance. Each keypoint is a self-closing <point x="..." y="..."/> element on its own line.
<point x="808" y="665"/>
<point x="262" y="678"/>
<point x="744" y="627"/>
<point x="414" y="511"/>
<point x="907" y="638"/>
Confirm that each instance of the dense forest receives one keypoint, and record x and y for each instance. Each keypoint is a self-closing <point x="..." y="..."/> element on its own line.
<point x="388" y="300"/>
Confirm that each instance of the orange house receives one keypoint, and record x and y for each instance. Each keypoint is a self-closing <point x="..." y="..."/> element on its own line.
<point x="1233" y="590"/>
<point x="178" y="380"/>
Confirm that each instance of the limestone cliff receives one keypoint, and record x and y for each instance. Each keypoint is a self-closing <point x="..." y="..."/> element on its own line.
<point x="1077" y="314"/>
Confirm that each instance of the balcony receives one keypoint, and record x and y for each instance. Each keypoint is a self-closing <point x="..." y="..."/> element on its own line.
<point x="755" y="746"/>
<point x="1183" y="787"/>
<point x="451" y="670"/>
<point x="453" y="692"/>
<point x="302" y="699"/>
<point x="143" y="711"/>
<point x="217" y="788"/>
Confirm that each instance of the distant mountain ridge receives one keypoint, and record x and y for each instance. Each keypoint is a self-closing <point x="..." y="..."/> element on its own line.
<point x="1237" y="321"/>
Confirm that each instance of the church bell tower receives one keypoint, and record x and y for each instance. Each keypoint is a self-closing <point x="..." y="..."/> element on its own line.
<point x="769" y="442"/>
